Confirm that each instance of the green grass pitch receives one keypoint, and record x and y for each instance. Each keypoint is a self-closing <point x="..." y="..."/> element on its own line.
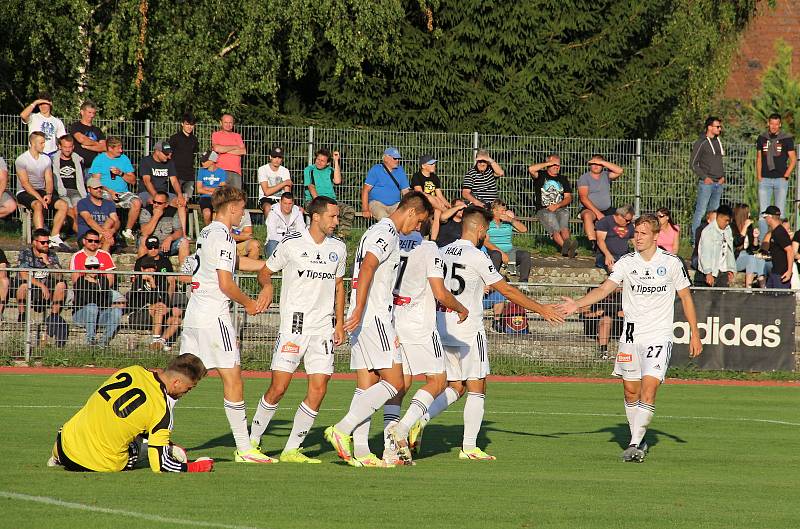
<point x="720" y="456"/>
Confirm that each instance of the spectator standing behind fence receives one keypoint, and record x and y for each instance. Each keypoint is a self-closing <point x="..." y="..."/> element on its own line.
<point x="47" y="288"/>
<point x="98" y="214"/>
<point x="91" y="248"/>
<point x="230" y="147"/>
<point x="716" y="261"/>
<point x="385" y="185"/>
<point x="157" y="173"/>
<point x="7" y="203"/>
<point x="669" y="233"/>
<point x="161" y="220"/>
<point x="594" y="193"/>
<point x="273" y="180"/>
<point x="780" y="250"/>
<point x="246" y="244"/>
<point x="427" y="182"/>
<point x="480" y="182"/>
<point x="184" y="148"/>
<point x="614" y="233"/>
<point x="38" y="117"/>
<point x="319" y="179"/>
<point x="450" y="223"/>
<point x="774" y="165"/>
<point x="36" y="188"/>
<point x="91" y="140"/>
<point x="501" y="232"/>
<point x="745" y="246"/>
<point x="116" y="173"/>
<point x="4" y="282"/>
<point x="68" y="173"/>
<point x="707" y="164"/>
<point x="209" y="177"/>
<point x="284" y="218"/>
<point x="552" y="194"/>
<point x="92" y="304"/>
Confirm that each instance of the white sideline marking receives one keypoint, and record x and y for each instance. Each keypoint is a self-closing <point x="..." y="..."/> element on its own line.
<point x="81" y="507"/>
<point x="488" y="412"/>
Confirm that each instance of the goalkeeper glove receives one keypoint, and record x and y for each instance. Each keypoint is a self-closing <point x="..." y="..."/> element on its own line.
<point x="203" y="464"/>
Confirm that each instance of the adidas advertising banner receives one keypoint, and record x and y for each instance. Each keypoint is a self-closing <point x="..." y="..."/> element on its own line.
<point x="746" y="331"/>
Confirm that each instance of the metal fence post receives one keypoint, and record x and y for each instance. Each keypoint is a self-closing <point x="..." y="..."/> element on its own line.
<point x="310" y="145"/>
<point x="28" y="312"/>
<point x="638" y="197"/>
<point x="475" y="144"/>
<point x="146" y="138"/>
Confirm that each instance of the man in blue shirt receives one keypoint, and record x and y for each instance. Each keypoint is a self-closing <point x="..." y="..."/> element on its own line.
<point x="97" y="213"/>
<point x="116" y="173"/>
<point x="209" y="177"/>
<point x="385" y="185"/>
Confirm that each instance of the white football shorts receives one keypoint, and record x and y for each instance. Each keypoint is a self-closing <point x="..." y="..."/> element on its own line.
<point x="635" y="360"/>
<point x="374" y="345"/>
<point x="315" y="351"/>
<point x="423" y="358"/>
<point x="468" y="362"/>
<point x="215" y="346"/>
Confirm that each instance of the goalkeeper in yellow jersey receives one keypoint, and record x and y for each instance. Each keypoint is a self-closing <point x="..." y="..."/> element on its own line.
<point x="135" y="403"/>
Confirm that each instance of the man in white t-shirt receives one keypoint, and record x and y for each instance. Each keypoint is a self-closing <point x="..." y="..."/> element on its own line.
<point x="273" y="180"/>
<point x="43" y="121"/>
<point x="468" y="271"/>
<point x="312" y="321"/>
<point x="208" y="332"/>
<point x="650" y="278"/>
<point x="7" y="203"/>
<point x="283" y="218"/>
<point x="375" y="353"/>
<point x="419" y="286"/>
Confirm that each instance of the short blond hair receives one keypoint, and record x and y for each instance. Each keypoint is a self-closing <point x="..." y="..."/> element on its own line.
<point x="224" y="195"/>
<point x="648" y="218"/>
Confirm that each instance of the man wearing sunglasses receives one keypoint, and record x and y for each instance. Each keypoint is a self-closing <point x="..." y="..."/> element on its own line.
<point x="91" y="249"/>
<point x="46" y="288"/>
<point x="706" y="162"/>
<point x="614" y="234"/>
<point x="161" y="220"/>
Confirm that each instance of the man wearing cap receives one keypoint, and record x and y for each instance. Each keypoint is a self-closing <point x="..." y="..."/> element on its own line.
<point x="230" y="147"/>
<point x="385" y="185"/>
<point x="98" y="214"/>
<point x="91" y="249"/>
<point x="209" y="177"/>
<point x="161" y="220"/>
<point x="151" y="299"/>
<point x="44" y="122"/>
<point x="780" y="249"/>
<point x="157" y="173"/>
<point x="480" y="182"/>
<point x="185" y="146"/>
<point x="427" y="182"/>
<point x="116" y="173"/>
<point x="93" y="303"/>
<point x="273" y="180"/>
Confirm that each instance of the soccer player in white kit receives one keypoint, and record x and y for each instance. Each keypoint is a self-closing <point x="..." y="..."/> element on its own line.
<point x="419" y="286"/>
<point x="375" y="353"/>
<point x="650" y="278"/>
<point x="467" y="271"/>
<point x="312" y="287"/>
<point x="208" y="332"/>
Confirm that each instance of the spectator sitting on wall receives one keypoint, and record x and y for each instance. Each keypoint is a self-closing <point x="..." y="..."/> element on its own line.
<point x="98" y="214"/>
<point x="450" y="223"/>
<point x="93" y="303"/>
<point x="745" y="246"/>
<point x="614" y="234"/>
<point x="594" y="193"/>
<point x="780" y="250"/>
<point x="716" y="261"/>
<point x="480" y="183"/>
<point x="284" y="218"/>
<point x="552" y="196"/>
<point x="385" y="185"/>
<point x="116" y="174"/>
<point x="707" y="164"/>
<point x="36" y="188"/>
<point x="710" y="216"/>
<point x="246" y="244"/>
<point x="273" y="180"/>
<point x="185" y="146"/>
<point x="319" y="179"/>
<point x="68" y="174"/>
<point x="501" y="231"/>
<point x="427" y="182"/>
<point x="91" y="248"/>
<point x="38" y="117"/>
<point x="157" y="172"/>
<point x="669" y="234"/>
<point x="209" y="177"/>
<point x="160" y="220"/>
<point x="230" y="147"/>
<point x="7" y="203"/>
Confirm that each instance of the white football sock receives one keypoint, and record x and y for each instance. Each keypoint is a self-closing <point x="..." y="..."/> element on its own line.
<point x="365" y="404"/>
<point x="439" y="404"/>
<point x="303" y="421"/>
<point x="361" y="432"/>
<point x="391" y="416"/>
<point x="473" y="417"/>
<point x="420" y="403"/>
<point x="261" y="418"/>
<point x="631" y="409"/>
<point x="237" y="418"/>
<point x="644" y="415"/>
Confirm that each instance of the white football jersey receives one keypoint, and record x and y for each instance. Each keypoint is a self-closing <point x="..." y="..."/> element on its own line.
<point x="648" y="294"/>
<point x="466" y="271"/>
<point x="381" y="240"/>
<point x="216" y="250"/>
<point x="414" y="302"/>
<point x="308" y="285"/>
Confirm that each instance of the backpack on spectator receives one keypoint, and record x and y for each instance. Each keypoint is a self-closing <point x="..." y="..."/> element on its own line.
<point x="514" y="320"/>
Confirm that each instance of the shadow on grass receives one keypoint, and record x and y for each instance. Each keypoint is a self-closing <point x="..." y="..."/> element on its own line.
<point x="621" y="435"/>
